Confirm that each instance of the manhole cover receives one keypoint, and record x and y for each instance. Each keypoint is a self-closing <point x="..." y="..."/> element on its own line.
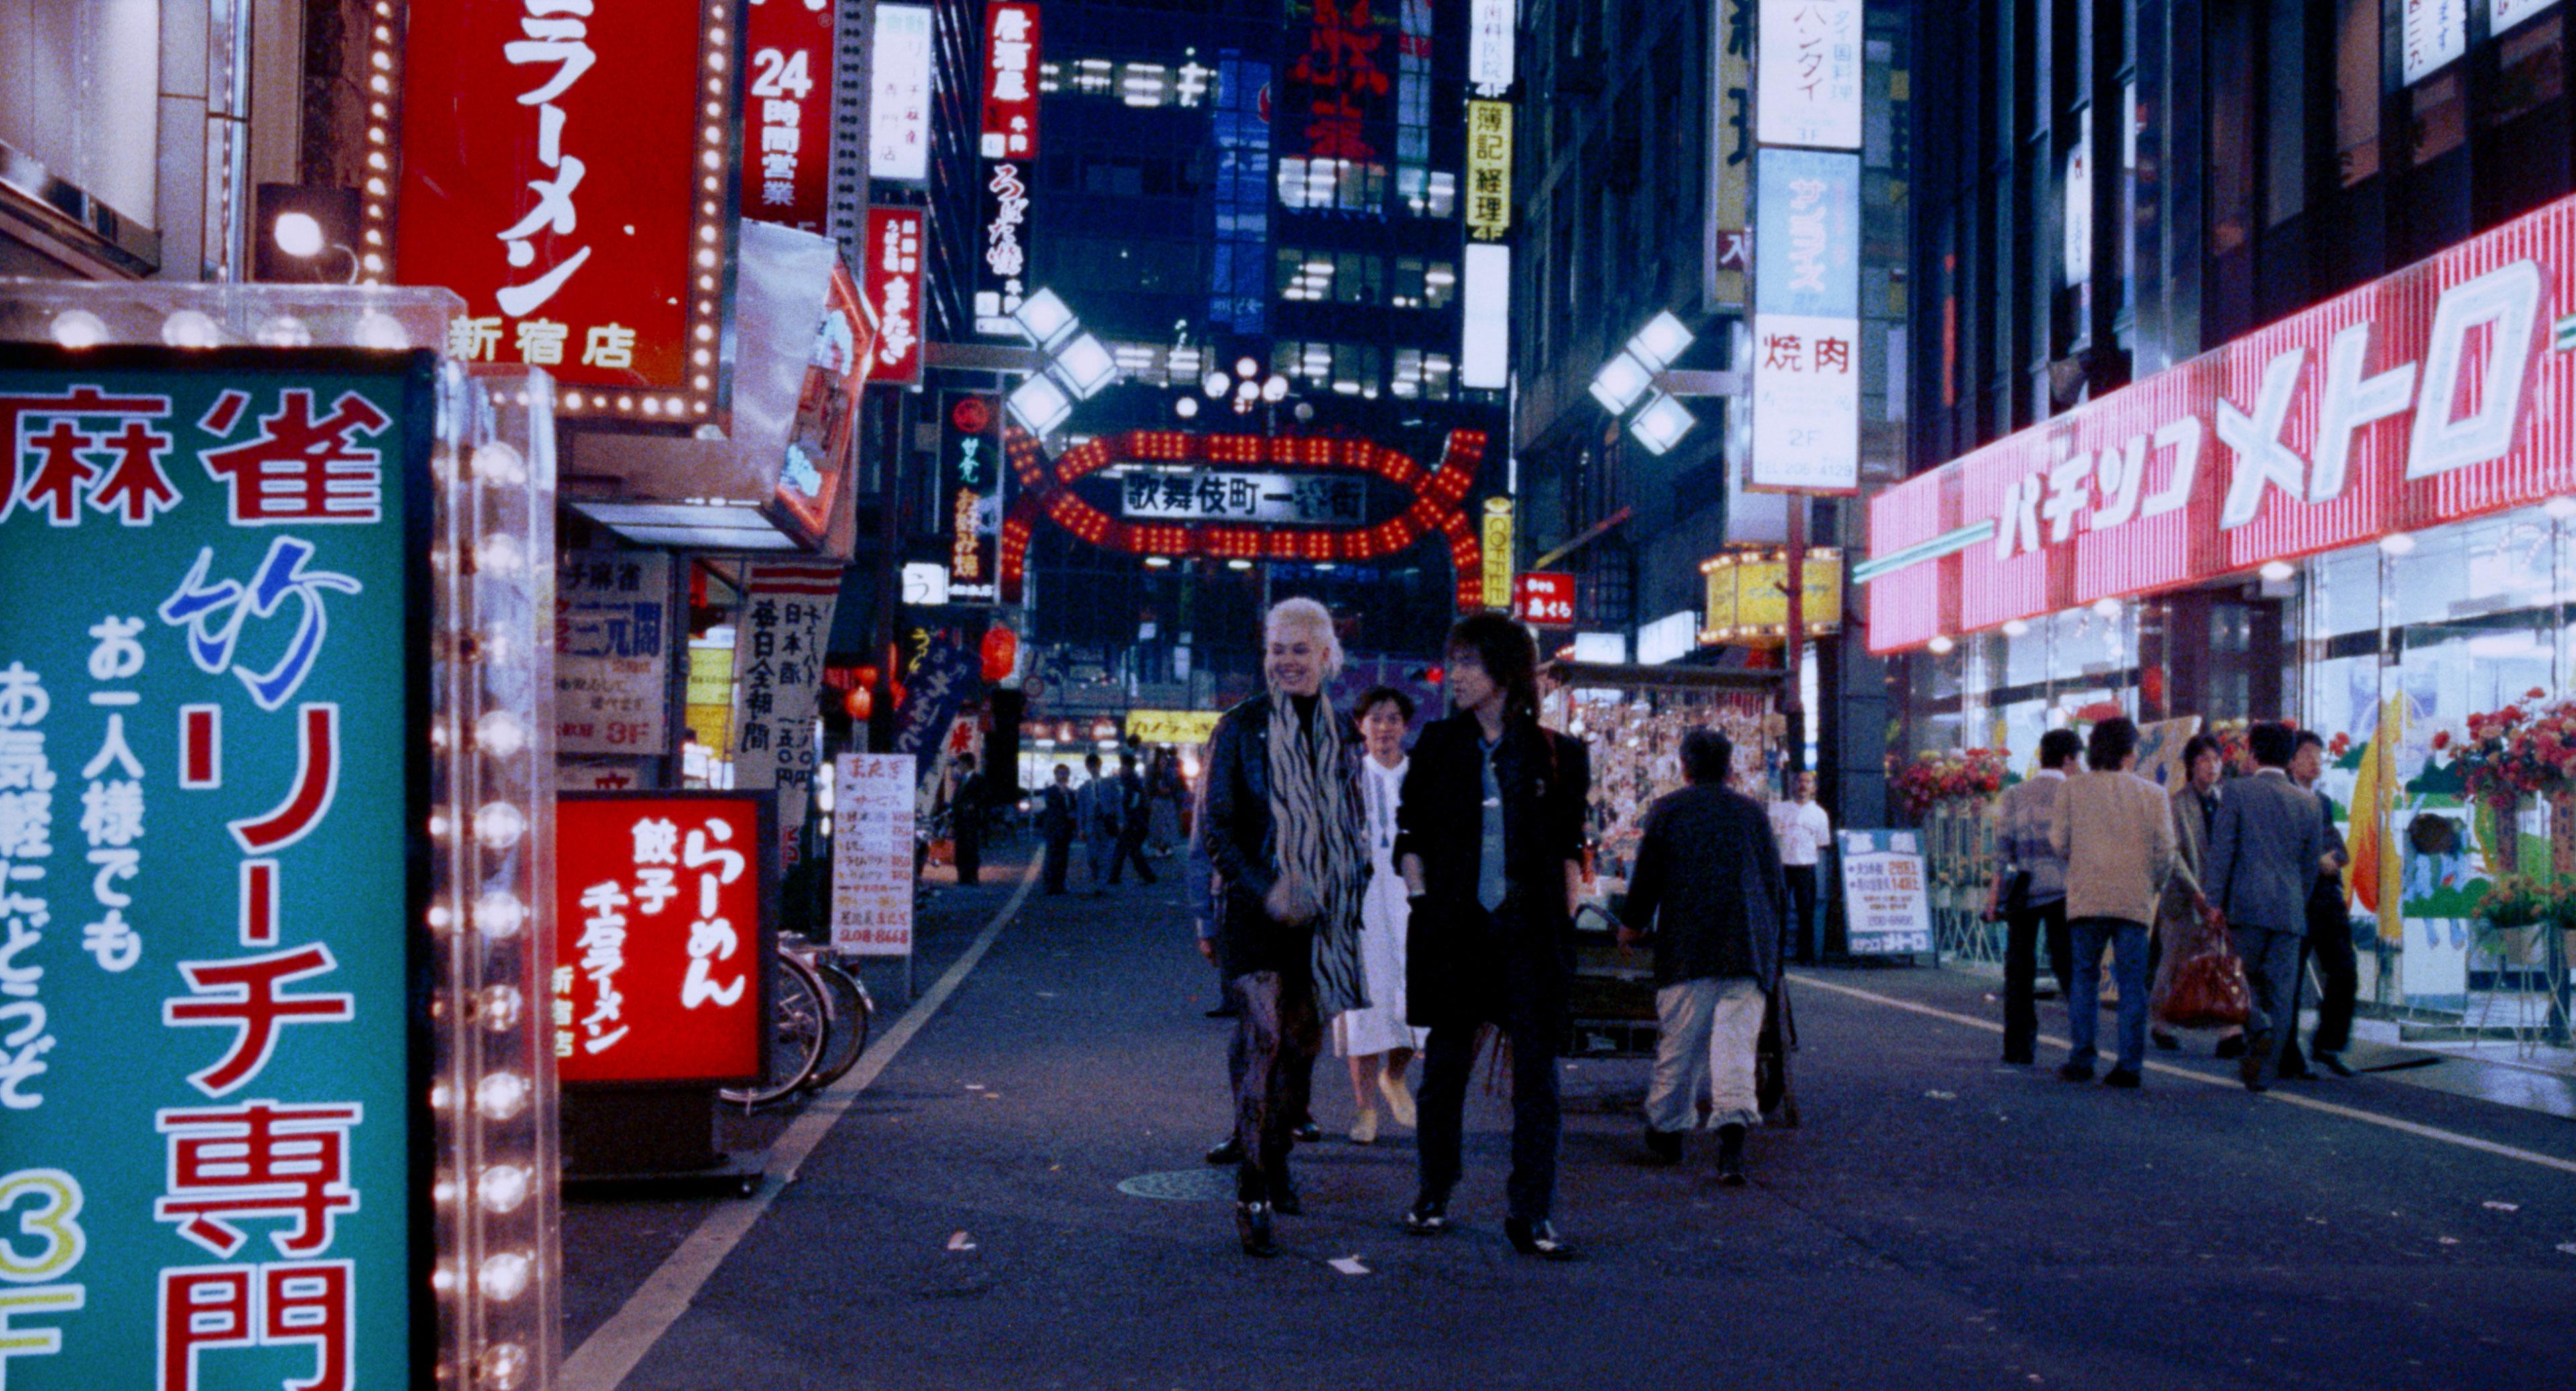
<point x="1183" y="1185"/>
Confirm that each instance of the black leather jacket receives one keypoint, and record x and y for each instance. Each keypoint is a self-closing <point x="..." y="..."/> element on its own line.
<point x="1238" y="832"/>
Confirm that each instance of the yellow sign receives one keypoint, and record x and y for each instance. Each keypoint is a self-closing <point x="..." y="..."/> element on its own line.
<point x="1498" y="553"/>
<point x="1180" y="727"/>
<point x="710" y="697"/>
<point x="1748" y="600"/>
<point x="1489" y="170"/>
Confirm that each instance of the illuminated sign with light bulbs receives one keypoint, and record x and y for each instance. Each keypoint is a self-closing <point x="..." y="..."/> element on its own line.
<point x="572" y="178"/>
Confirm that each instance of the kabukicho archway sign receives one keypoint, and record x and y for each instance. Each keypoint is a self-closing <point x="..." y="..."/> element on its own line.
<point x="1300" y="526"/>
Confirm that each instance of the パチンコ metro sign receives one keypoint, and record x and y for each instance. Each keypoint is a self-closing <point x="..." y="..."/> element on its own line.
<point x="661" y="923"/>
<point x="569" y="174"/>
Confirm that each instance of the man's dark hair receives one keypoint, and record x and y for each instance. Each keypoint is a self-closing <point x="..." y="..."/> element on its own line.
<point x="1091" y="762"/>
<point x="1707" y="755"/>
<point x="1127" y="762"/>
<point x="1376" y="696"/>
<point x="1507" y="653"/>
<point x="2059" y="747"/>
<point x="2272" y="744"/>
<point x="2306" y="738"/>
<point x="2200" y="744"/>
<point x="965" y="760"/>
<point x="1064" y="770"/>
<point x="2113" y="740"/>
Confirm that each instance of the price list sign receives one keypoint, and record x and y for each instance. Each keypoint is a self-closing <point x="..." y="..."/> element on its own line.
<point x="213" y="756"/>
<point x="872" y="808"/>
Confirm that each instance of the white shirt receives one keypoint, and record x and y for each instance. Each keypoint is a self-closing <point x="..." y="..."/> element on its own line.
<point x="1803" y="830"/>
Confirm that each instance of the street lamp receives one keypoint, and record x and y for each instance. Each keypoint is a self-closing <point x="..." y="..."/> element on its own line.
<point x="1076" y="367"/>
<point x="1244" y="390"/>
<point x="1629" y="377"/>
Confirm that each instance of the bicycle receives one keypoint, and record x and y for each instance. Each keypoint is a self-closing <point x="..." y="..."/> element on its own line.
<point x="819" y="1020"/>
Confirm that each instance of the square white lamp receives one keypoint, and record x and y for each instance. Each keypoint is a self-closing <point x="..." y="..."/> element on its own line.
<point x="1620" y="382"/>
<point x="1041" y="405"/>
<point x="1662" y="423"/>
<point x="1085" y="365"/>
<point x="1044" y="318"/>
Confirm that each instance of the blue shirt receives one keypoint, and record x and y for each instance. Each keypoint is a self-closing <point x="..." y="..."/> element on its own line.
<point x="1489" y="867"/>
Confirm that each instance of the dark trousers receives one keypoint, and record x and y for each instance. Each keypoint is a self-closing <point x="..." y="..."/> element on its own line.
<point x="1059" y="855"/>
<point x="2023" y="933"/>
<point x="970" y="856"/>
<point x="1531" y="1015"/>
<point x="1273" y="1061"/>
<point x="2329" y="945"/>
<point x="1802" y="909"/>
<point x="1131" y="846"/>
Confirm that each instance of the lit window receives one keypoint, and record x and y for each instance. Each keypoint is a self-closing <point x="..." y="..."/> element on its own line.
<point x="1145" y="84"/>
<point x="1050" y="78"/>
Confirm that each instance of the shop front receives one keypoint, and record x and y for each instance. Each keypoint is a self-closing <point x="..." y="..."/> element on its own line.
<point x="2357" y="519"/>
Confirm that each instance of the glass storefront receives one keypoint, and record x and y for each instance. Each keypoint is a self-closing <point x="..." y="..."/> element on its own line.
<point x="2378" y="648"/>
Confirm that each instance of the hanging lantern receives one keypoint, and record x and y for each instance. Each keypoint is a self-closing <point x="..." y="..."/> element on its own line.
<point x="1001" y="652"/>
<point x="860" y="702"/>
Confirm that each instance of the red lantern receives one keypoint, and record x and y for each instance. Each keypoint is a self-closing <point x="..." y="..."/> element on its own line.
<point x="860" y="702"/>
<point x="1001" y="652"/>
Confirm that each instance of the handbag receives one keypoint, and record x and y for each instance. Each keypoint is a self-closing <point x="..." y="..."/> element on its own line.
<point x="1772" y="1093"/>
<point x="2206" y="988"/>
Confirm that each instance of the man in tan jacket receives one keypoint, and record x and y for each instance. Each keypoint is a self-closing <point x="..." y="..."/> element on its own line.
<point x="2116" y="831"/>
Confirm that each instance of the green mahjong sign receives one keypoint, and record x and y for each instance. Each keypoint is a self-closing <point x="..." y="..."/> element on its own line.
<point x="213" y="658"/>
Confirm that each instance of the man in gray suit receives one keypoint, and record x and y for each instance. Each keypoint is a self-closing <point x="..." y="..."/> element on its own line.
<point x="2264" y="847"/>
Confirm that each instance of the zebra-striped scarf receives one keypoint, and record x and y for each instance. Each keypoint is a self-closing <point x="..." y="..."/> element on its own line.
<point x="1321" y="841"/>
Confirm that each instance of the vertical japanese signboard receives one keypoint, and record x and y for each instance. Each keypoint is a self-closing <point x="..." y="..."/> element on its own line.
<point x="1490" y="45"/>
<point x="970" y="474"/>
<point x="778" y="671"/>
<point x="2431" y="34"/>
<point x="1009" y="146"/>
<point x="1727" y="253"/>
<point x="872" y="811"/>
<point x="1497" y="574"/>
<point x="1338" y="88"/>
<point x="893" y="287"/>
<point x="1806" y="323"/>
<point x="1811" y="73"/>
<point x="899" y="95"/>
<point x="213" y="758"/>
<point x="613" y="653"/>
<point x="661" y="927"/>
<point x="1489" y="169"/>
<point x="560" y="171"/>
<point x="787" y="113"/>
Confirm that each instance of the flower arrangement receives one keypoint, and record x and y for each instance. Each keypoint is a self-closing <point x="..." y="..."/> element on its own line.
<point x="2520" y="751"/>
<point x="2518" y="900"/>
<point x="1934" y="778"/>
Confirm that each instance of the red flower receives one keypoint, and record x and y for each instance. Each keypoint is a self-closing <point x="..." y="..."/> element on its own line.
<point x="2441" y="739"/>
<point x="2535" y="693"/>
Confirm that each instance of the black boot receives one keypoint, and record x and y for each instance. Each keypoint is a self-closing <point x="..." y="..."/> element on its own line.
<point x="1730" y="1155"/>
<point x="1226" y="1151"/>
<point x="1663" y="1146"/>
<point x="2258" y="1051"/>
<point x="1252" y="1225"/>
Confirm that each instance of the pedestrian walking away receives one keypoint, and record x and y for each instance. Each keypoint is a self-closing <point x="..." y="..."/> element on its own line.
<point x="1285" y="834"/>
<point x="1059" y="815"/>
<point x="2264" y="848"/>
<point x="2029" y="892"/>
<point x="1710" y="893"/>
<point x="1104" y="816"/>
<point x="1490" y="842"/>
<point x="2116" y="831"/>
<point x="1376" y="1040"/>
<point x="1803" y="830"/>
<point x="2327" y="940"/>
<point x="1135" y="819"/>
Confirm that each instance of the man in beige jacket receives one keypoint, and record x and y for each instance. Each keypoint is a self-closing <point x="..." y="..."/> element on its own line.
<point x="2116" y="831"/>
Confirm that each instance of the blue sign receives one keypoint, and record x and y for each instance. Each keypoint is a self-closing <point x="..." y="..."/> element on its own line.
<point x="1806" y="241"/>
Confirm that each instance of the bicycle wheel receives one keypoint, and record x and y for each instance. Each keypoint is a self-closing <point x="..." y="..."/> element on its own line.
<point x="853" y="1012"/>
<point x="797" y="1021"/>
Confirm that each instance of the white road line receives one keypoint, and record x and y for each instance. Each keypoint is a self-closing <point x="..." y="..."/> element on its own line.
<point x="606" y="1358"/>
<point x="2422" y="1132"/>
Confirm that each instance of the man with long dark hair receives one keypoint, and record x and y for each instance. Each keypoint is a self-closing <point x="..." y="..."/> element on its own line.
<point x="1490" y="843"/>
<point x="1286" y="836"/>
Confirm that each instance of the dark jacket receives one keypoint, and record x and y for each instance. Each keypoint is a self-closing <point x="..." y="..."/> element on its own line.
<point x="1237" y="835"/>
<point x="1708" y="887"/>
<point x="2263" y="851"/>
<point x="1545" y="780"/>
<point x="1056" y="819"/>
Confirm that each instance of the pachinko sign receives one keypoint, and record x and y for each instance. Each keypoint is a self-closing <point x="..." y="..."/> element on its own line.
<point x="213" y="739"/>
<point x="661" y="902"/>
<point x="558" y="169"/>
<point x="2443" y="392"/>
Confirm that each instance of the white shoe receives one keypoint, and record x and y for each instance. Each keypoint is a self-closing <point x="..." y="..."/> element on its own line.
<point x="1364" y="1130"/>
<point x="1399" y="1098"/>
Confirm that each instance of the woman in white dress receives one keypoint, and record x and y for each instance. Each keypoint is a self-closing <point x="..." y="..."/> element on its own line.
<point x="1376" y="1040"/>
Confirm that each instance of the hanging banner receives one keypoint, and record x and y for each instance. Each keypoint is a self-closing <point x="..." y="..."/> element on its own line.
<point x="1806" y="324"/>
<point x="938" y="674"/>
<point x="1498" y="553"/>
<point x="1727" y="252"/>
<point x="214" y="779"/>
<point x="613" y="636"/>
<point x="1002" y="251"/>
<point x="2439" y="393"/>
<point x="551" y="174"/>
<point x="1810" y="65"/>
<point x="1489" y="170"/>
<point x="663" y="912"/>
<point x="899" y="95"/>
<point x="787" y="113"/>
<point x="1010" y="128"/>
<point x="778" y="670"/>
<point x="872" y="835"/>
<point x="893" y="266"/>
<point x="1490" y="45"/>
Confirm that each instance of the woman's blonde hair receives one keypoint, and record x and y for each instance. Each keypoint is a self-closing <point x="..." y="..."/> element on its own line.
<point x="1306" y="613"/>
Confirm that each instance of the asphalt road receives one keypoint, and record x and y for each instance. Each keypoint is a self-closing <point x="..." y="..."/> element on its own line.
<point x="1938" y="1220"/>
